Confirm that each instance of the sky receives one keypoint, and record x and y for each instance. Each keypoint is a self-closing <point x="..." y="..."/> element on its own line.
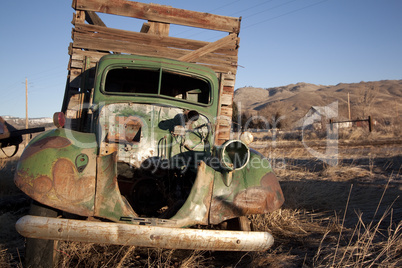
<point x="281" y="42"/>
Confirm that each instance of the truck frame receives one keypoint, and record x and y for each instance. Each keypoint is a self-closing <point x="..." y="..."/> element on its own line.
<point x="142" y="151"/>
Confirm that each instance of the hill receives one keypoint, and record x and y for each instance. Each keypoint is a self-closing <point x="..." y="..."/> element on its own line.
<point x="19" y="123"/>
<point x="380" y="99"/>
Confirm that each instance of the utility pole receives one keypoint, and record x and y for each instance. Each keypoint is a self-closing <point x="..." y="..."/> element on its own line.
<point x="349" y="106"/>
<point x="26" y="109"/>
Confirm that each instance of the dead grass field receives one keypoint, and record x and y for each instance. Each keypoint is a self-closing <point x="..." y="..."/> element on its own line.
<point x="349" y="215"/>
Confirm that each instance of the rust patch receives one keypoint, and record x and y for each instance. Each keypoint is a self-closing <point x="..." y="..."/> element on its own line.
<point x="270" y="180"/>
<point x="42" y="185"/>
<point x="130" y="133"/>
<point x="254" y="200"/>
<point x="21" y="180"/>
<point x="42" y="190"/>
<point x="49" y="142"/>
<point x="264" y="199"/>
<point x="68" y="185"/>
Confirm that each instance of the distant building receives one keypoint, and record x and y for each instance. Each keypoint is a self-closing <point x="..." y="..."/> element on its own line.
<point x="317" y="118"/>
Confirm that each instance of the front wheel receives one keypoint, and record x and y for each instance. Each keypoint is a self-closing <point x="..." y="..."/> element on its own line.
<point x="241" y="223"/>
<point x="40" y="252"/>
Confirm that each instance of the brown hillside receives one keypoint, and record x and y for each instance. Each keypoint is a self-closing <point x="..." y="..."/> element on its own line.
<point x="380" y="99"/>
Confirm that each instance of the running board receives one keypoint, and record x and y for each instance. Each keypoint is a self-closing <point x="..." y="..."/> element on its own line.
<point x="142" y="235"/>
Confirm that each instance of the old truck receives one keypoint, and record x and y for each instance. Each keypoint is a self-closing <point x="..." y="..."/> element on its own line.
<point x="142" y="153"/>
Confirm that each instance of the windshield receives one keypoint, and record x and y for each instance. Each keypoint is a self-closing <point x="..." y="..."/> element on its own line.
<point x="157" y="82"/>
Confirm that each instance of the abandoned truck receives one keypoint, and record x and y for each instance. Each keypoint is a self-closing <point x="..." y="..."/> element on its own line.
<point x="142" y="152"/>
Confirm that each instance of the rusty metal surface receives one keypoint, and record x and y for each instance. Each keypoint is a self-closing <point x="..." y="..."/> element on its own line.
<point x="129" y="126"/>
<point x="54" y="142"/>
<point x="109" y="203"/>
<point x="260" y="199"/>
<point x="196" y="208"/>
<point x="144" y="236"/>
<point x="55" y="172"/>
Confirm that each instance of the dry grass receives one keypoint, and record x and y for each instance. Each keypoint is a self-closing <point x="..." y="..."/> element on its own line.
<point x="5" y="258"/>
<point x="304" y="239"/>
<point x="348" y="215"/>
<point x="75" y="254"/>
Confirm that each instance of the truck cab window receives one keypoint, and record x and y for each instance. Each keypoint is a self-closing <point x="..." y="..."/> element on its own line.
<point x="185" y="87"/>
<point x="132" y="81"/>
<point x="140" y="81"/>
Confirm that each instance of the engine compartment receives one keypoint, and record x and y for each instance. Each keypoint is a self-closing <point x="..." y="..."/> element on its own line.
<point x="158" y="149"/>
<point x="152" y="190"/>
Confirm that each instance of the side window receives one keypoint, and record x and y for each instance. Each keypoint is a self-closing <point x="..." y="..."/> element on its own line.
<point x="185" y="87"/>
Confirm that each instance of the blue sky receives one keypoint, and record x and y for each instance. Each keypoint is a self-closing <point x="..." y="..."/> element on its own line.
<point x="282" y="42"/>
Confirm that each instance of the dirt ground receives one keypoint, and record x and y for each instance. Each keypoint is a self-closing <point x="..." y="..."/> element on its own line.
<point x="344" y="215"/>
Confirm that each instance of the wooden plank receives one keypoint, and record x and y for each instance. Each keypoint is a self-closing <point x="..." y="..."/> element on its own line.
<point x="93" y="18"/>
<point x="103" y="41"/>
<point x="222" y="135"/>
<point x="219" y="64"/>
<point x="79" y="63"/>
<point x="226" y="99"/>
<point x="226" y="111"/>
<point x="145" y="27"/>
<point x="229" y="80"/>
<point x="74" y="77"/>
<point x="229" y="49"/>
<point x="211" y="47"/>
<point x="159" y="13"/>
<point x="81" y="54"/>
<point x="78" y="17"/>
<point x="224" y="121"/>
<point x="159" y="28"/>
<point x="228" y="90"/>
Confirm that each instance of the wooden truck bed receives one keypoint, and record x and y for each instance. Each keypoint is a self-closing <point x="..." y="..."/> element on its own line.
<point x="92" y="39"/>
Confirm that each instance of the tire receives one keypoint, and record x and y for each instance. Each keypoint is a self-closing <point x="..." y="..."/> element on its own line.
<point x="238" y="224"/>
<point x="39" y="252"/>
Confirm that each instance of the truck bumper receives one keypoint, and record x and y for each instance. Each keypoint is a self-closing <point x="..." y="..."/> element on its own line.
<point x="140" y="235"/>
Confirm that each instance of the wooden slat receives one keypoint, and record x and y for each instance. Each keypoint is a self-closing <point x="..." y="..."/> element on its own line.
<point x="159" y="28"/>
<point x="218" y="63"/>
<point x="138" y="38"/>
<point x="226" y="99"/>
<point x="92" y="18"/>
<point x="228" y="90"/>
<point x="229" y="80"/>
<point x="226" y="111"/>
<point x="96" y="42"/>
<point x="161" y="13"/>
<point x="224" y="121"/>
<point x="81" y="54"/>
<point x="145" y="27"/>
<point x="211" y="47"/>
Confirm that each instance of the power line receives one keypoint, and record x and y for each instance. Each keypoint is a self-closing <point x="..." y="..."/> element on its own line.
<point x="243" y="10"/>
<point x="191" y="29"/>
<point x="265" y="10"/>
<point x="276" y="17"/>
<point x="287" y="13"/>
<point x="231" y="3"/>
